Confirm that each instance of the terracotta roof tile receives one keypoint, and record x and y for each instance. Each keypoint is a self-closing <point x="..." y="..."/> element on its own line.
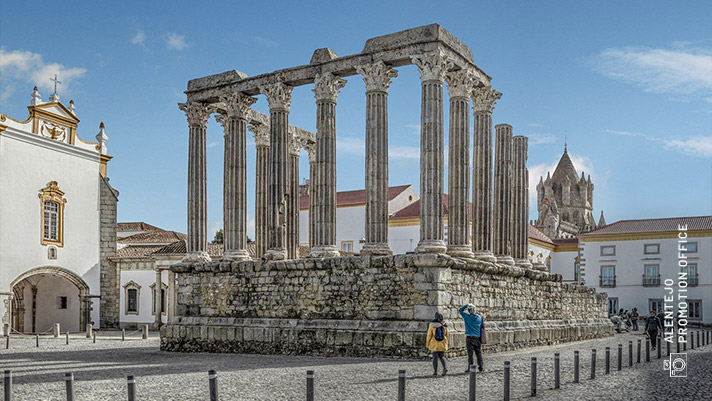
<point x="136" y="226"/>
<point x="655" y="225"/>
<point x="153" y="237"/>
<point x="352" y="198"/>
<point x="535" y="233"/>
<point x="413" y="210"/>
<point x="136" y="251"/>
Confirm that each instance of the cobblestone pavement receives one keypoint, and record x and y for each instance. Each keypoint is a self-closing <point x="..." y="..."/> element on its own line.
<point x="100" y="372"/>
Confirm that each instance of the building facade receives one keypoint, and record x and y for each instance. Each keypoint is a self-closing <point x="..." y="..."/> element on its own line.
<point x="58" y="214"/>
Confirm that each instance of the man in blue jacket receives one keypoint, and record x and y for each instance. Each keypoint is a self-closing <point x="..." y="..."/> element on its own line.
<point x="473" y="325"/>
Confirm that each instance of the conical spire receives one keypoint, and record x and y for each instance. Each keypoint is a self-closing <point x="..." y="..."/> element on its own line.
<point x="601" y="220"/>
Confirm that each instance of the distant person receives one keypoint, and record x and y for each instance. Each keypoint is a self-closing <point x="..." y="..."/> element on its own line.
<point x="634" y="318"/>
<point x="473" y="330"/>
<point x="651" y="328"/>
<point x="661" y="322"/>
<point x="437" y="342"/>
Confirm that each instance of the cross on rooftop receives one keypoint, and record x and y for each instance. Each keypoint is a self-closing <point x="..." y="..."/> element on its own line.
<point x="56" y="81"/>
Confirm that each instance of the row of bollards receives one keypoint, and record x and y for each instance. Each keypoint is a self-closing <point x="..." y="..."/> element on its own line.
<point x="90" y="333"/>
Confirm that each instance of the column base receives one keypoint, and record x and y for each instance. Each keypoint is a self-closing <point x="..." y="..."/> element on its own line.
<point x="236" y="255"/>
<point x="431" y="246"/>
<point x="539" y="266"/>
<point x="505" y="260"/>
<point x="525" y="263"/>
<point x="196" y="256"/>
<point x="460" y="251"/>
<point x="324" y="251"/>
<point x="485" y="256"/>
<point x="276" y="254"/>
<point x="376" y="248"/>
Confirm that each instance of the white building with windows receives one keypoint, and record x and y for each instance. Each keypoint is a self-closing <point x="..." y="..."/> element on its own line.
<point x="631" y="259"/>
<point x="57" y="219"/>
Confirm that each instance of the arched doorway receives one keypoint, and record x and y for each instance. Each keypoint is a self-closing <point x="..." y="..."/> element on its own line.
<point x="47" y="295"/>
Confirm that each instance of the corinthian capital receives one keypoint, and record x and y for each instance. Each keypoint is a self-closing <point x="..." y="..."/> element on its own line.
<point x="432" y="66"/>
<point x="460" y="83"/>
<point x="279" y="95"/>
<point x="196" y="113"/>
<point x="484" y="98"/>
<point x="261" y="133"/>
<point x="237" y="105"/>
<point x="310" y="147"/>
<point x="295" y="144"/>
<point x="377" y="76"/>
<point x="327" y="86"/>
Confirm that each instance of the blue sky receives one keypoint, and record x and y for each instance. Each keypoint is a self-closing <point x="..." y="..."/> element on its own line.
<point x="630" y="83"/>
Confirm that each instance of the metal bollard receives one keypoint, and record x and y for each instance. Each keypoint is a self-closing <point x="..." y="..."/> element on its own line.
<point x="90" y="328"/>
<point x="8" y="385"/>
<point x="37" y="340"/>
<point x="67" y="338"/>
<point x="310" y="385"/>
<point x="708" y="338"/>
<point x="56" y="330"/>
<point x="401" y="385"/>
<point x="692" y="341"/>
<point x="69" y="380"/>
<point x="145" y="332"/>
<point x="213" y="379"/>
<point x="630" y="353"/>
<point x="647" y="350"/>
<point x="659" y="350"/>
<point x="677" y="344"/>
<point x="506" y="380"/>
<point x="93" y="336"/>
<point x="123" y="334"/>
<point x="593" y="364"/>
<point x="608" y="360"/>
<point x="131" y="383"/>
<point x="684" y="345"/>
<point x="576" y="366"/>
<point x="637" y="360"/>
<point x="557" y="369"/>
<point x="667" y="346"/>
<point x="620" y="356"/>
<point x="7" y="342"/>
<point x="533" y="384"/>
<point x="698" y="339"/>
<point x="473" y="383"/>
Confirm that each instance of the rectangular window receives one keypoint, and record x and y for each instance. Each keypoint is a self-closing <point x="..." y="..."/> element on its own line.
<point x="694" y="309"/>
<point x="651" y="277"/>
<point x="612" y="306"/>
<point x="655" y="305"/>
<point x="651" y="249"/>
<point x="132" y="301"/>
<point x="691" y="270"/>
<point x="347" y="246"/>
<point x="51" y="221"/>
<point x="163" y="301"/>
<point x="608" y="276"/>
<point x="62" y="302"/>
<point x="690" y="247"/>
<point x="608" y="250"/>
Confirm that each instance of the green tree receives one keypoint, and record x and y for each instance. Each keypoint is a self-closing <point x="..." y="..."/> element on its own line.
<point x="218" y="237"/>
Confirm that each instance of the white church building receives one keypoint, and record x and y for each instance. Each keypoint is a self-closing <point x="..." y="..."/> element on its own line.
<point x="58" y="218"/>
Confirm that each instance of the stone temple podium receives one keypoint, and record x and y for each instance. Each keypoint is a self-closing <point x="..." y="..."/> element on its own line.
<point x="375" y="303"/>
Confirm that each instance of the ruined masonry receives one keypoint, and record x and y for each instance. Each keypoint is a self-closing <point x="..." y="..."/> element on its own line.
<point x="373" y="304"/>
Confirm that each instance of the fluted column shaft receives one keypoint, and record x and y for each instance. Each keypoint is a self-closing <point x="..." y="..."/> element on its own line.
<point x="520" y="216"/>
<point x="279" y="98"/>
<point x="261" y="187"/>
<point x="235" y="176"/>
<point x="432" y="67"/>
<point x="311" y="150"/>
<point x="326" y="88"/>
<point x="377" y="78"/>
<point x="503" y="207"/>
<point x="293" y="200"/>
<point x="197" y="115"/>
<point x="459" y="86"/>
<point x="484" y="99"/>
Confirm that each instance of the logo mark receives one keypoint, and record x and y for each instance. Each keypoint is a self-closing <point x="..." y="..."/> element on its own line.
<point x="676" y="365"/>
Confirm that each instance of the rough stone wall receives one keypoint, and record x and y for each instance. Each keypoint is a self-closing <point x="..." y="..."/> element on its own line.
<point x="109" y="276"/>
<point x="379" y="306"/>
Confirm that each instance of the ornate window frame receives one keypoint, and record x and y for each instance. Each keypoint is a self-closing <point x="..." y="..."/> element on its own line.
<point x="131" y="285"/>
<point x="52" y="193"/>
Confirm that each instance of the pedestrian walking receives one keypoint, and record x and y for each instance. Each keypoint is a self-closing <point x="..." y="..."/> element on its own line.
<point x="474" y="329"/>
<point x="436" y="341"/>
<point x="651" y="328"/>
<point x="634" y="318"/>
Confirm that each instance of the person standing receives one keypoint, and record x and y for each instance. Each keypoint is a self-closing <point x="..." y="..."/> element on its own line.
<point x="474" y="324"/>
<point x="651" y="328"/>
<point x="634" y="318"/>
<point x="436" y="341"/>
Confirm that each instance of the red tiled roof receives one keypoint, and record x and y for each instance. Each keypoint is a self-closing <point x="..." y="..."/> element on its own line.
<point x="153" y="237"/>
<point x="655" y="225"/>
<point x="136" y="251"/>
<point x="413" y="210"/>
<point x="214" y="250"/>
<point x="535" y="233"/>
<point x="136" y="226"/>
<point x="352" y="198"/>
<point x="564" y="241"/>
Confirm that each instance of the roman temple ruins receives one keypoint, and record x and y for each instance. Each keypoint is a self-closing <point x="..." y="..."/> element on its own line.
<point x="374" y="303"/>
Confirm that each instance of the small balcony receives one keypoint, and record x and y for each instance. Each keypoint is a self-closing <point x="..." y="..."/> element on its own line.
<point x="606" y="281"/>
<point x="651" y="281"/>
<point x="692" y="280"/>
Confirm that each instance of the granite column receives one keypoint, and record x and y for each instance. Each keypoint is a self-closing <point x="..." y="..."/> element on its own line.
<point x="503" y="195"/>
<point x="520" y="216"/>
<point x="293" y="199"/>
<point x="261" y="133"/>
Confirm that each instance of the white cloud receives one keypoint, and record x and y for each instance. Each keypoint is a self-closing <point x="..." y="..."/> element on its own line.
<point x="215" y="226"/>
<point x="27" y="66"/>
<point x="139" y="37"/>
<point x="404" y="153"/>
<point x="539" y="139"/>
<point x="414" y="127"/>
<point x="536" y="125"/>
<point x="250" y="226"/>
<point x="264" y="41"/>
<point x="175" y="41"/>
<point x="683" y="71"/>
<point x="699" y="146"/>
<point x="350" y="146"/>
<point x="213" y="144"/>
